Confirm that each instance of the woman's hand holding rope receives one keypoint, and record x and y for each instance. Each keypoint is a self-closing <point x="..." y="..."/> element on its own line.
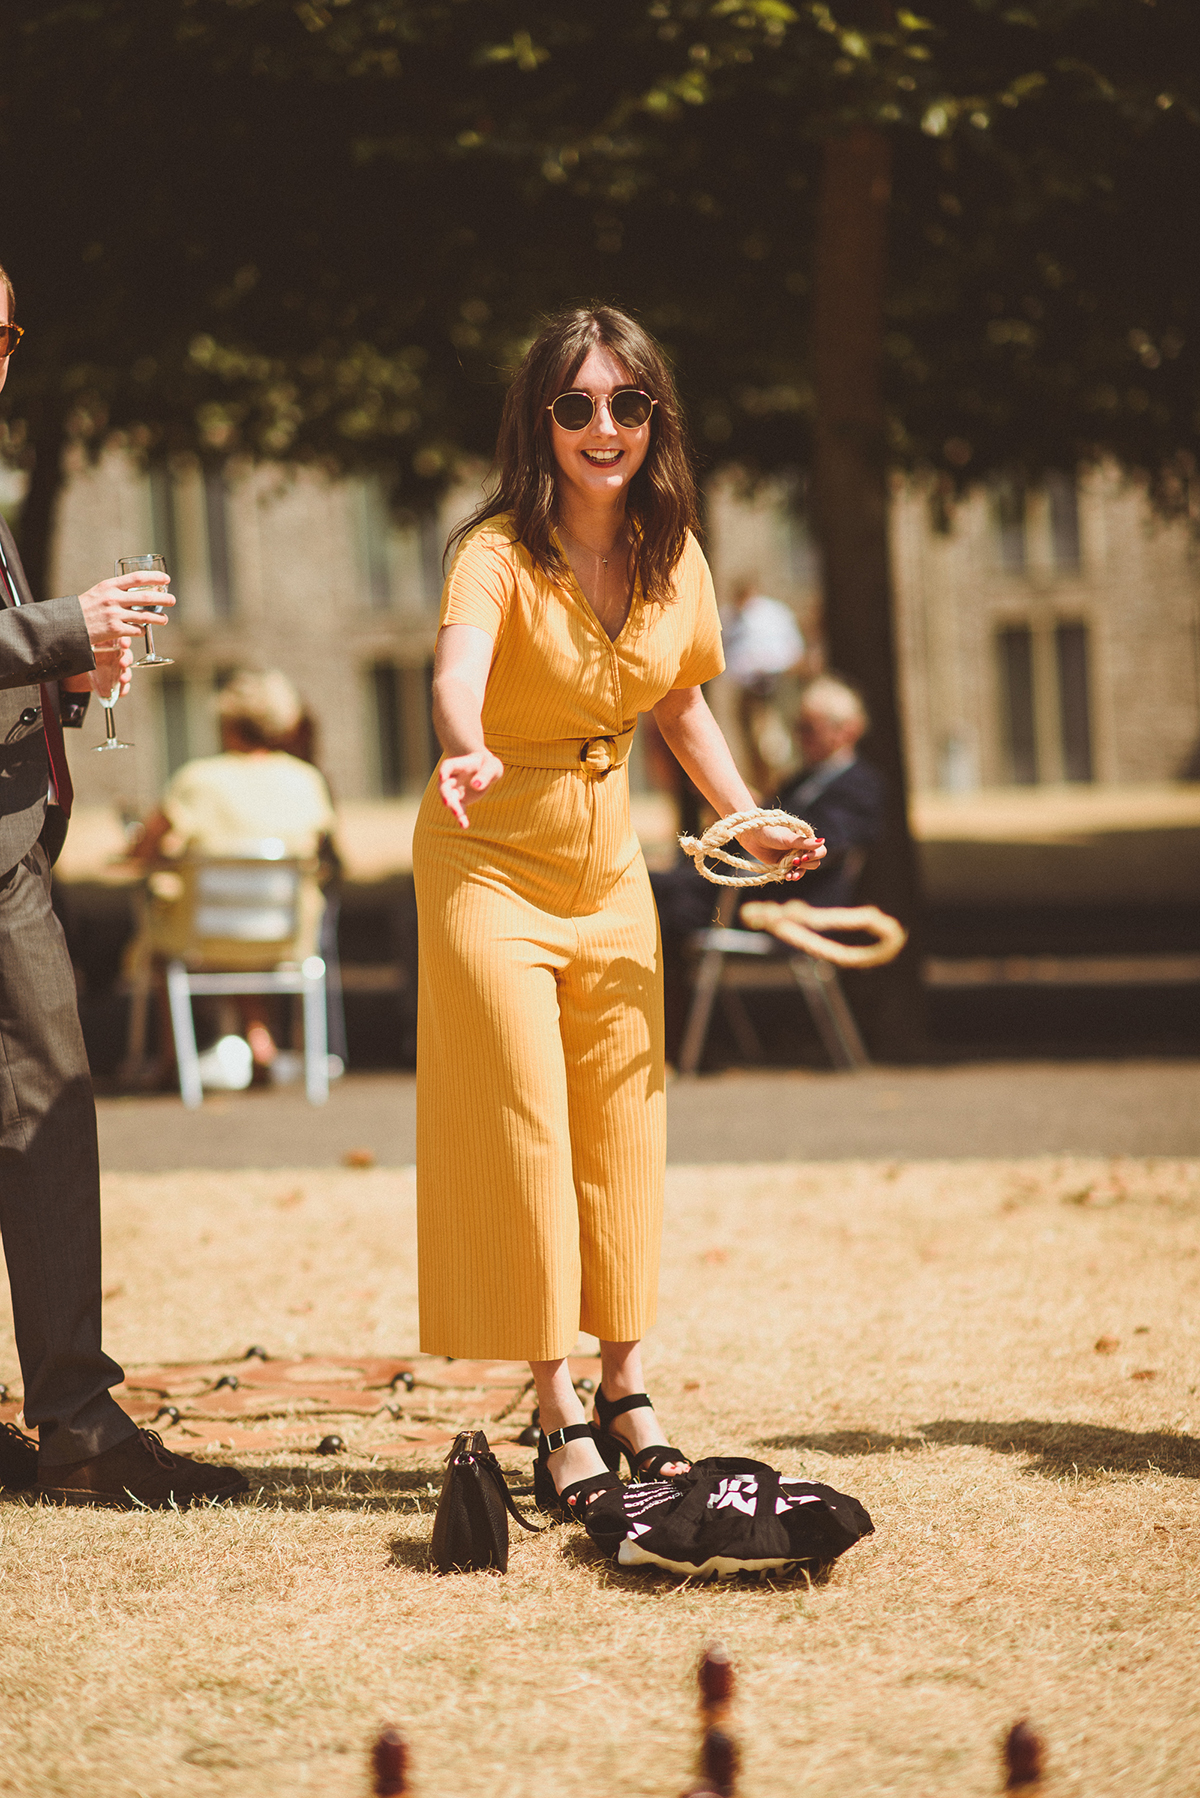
<point x="775" y="843"/>
<point x="796" y="924"/>
<point x="774" y="837"/>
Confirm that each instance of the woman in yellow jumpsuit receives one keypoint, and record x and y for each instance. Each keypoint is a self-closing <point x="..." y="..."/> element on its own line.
<point x="578" y="597"/>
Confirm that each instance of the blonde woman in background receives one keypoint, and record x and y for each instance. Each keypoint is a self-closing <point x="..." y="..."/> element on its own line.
<point x="255" y="791"/>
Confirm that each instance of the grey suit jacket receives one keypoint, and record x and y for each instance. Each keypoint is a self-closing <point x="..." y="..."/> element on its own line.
<point x="39" y="642"/>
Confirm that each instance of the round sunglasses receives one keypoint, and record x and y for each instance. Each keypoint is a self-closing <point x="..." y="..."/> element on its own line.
<point x="10" y="337"/>
<point x="628" y="407"/>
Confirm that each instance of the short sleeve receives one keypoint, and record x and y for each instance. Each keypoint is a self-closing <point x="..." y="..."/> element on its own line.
<point x="324" y="817"/>
<point x="703" y="658"/>
<point x="480" y="586"/>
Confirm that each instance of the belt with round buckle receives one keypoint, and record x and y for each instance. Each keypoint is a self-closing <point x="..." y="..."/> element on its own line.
<point x="593" y="745"/>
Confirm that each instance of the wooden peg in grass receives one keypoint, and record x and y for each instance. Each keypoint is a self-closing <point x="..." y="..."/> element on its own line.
<point x="1024" y="1757"/>
<point x="719" y="1761"/>
<point x="719" y="1756"/>
<point x="389" y="1765"/>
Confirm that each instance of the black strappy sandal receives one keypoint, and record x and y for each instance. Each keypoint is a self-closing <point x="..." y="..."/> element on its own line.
<point x="647" y="1464"/>
<point x="571" y="1503"/>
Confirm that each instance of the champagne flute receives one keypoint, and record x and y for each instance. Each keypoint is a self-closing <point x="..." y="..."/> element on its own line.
<point x="144" y="565"/>
<point x="111" y="739"/>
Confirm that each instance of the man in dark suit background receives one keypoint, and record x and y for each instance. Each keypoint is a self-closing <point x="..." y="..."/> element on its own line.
<point x="840" y="795"/>
<point x="52" y="653"/>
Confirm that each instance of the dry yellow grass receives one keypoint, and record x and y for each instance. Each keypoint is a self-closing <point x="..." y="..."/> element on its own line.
<point x="922" y="1336"/>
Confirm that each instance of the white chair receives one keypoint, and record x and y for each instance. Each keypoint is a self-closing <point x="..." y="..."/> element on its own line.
<point x="760" y="960"/>
<point x="240" y="925"/>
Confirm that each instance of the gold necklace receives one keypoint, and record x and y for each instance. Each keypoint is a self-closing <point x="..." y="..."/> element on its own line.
<point x="602" y="561"/>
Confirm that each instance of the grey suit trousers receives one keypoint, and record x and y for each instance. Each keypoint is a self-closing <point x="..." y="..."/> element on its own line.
<point x="50" y="1179"/>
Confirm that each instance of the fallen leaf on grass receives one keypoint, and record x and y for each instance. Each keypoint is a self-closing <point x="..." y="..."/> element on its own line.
<point x="1096" y="1198"/>
<point x="1107" y="1345"/>
<point x="211" y="1755"/>
<point x="1144" y="1373"/>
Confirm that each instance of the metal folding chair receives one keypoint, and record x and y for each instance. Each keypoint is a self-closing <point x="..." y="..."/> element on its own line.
<point x="237" y="926"/>
<point x="760" y="960"/>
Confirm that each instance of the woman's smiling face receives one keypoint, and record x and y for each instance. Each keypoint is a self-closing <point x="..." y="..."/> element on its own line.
<point x="599" y="462"/>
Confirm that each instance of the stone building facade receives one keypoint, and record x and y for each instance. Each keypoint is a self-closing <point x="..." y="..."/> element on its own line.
<point x="1045" y="636"/>
<point x="1048" y="636"/>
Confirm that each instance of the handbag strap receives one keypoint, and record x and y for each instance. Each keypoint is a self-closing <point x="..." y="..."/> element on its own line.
<point x="487" y="1463"/>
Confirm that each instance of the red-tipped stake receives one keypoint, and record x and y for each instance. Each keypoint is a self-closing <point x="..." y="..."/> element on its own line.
<point x="389" y="1765"/>
<point x="716" y="1680"/>
<point x="1024" y="1754"/>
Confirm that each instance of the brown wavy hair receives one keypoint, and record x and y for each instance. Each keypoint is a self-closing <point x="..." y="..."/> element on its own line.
<point x="661" y="503"/>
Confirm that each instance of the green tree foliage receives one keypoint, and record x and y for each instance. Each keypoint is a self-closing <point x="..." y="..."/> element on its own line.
<point x="324" y="230"/>
<point x="1042" y="289"/>
<point x="204" y="258"/>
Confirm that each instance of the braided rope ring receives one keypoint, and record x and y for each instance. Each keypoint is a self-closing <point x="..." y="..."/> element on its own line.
<point x="752" y="873"/>
<point x="799" y="926"/>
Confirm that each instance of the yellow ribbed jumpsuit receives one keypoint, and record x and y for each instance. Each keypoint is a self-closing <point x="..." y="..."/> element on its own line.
<point x="541" y="1117"/>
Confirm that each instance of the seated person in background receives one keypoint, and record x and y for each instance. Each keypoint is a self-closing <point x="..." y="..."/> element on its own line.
<point x="840" y="795"/>
<point x="225" y="804"/>
<point x="232" y="803"/>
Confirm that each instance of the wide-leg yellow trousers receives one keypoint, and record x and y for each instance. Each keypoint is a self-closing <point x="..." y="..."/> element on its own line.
<point x="541" y="1118"/>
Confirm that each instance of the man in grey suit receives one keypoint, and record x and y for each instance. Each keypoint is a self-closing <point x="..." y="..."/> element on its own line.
<point x="88" y="1450"/>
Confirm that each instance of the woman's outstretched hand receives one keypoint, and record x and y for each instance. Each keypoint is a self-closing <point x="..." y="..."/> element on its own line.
<point x="462" y="778"/>
<point x="776" y="843"/>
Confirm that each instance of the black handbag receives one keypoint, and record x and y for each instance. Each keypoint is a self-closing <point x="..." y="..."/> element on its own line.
<point x="470" y="1531"/>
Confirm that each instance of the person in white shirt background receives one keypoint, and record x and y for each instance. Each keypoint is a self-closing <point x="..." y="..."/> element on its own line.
<point x="765" y="654"/>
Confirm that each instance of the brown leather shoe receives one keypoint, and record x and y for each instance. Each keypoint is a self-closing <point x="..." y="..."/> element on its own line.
<point x="18" y="1458"/>
<point x="140" y="1472"/>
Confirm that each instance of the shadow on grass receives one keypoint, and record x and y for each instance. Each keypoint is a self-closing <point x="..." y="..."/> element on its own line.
<point x="411" y="1491"/>
<point x="403" y="1552"/>
<point x="845" y="1442"/>
<point x="303" y="1488"/>
<point x="1056" y="1448"/>
<point x="407" y="1491"/>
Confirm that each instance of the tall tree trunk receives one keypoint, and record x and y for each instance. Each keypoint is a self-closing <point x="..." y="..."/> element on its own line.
<point x="35" y="532"/>
<point x="851" y="495"/>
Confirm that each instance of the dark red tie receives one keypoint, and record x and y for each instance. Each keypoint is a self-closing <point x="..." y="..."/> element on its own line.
<point x="56" y="749"/>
